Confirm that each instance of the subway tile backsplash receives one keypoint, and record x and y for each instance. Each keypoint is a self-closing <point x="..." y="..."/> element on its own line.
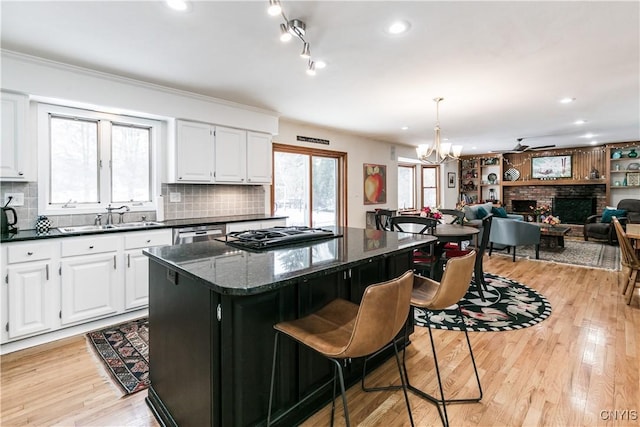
<point x="196" y="201"/>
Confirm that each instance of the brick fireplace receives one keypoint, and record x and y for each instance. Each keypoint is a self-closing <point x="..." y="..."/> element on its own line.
<point x="576" y="200"/>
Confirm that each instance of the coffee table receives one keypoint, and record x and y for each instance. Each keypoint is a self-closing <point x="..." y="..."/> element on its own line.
<point x="553" y="235"/>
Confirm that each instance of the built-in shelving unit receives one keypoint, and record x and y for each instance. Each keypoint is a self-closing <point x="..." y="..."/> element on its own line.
<point x="623" y="172"/>
<point x="480" y="178"/>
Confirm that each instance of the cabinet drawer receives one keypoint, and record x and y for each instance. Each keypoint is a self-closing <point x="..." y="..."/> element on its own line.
<point x="89" y="245"/>
<point x="146" y="239"/>
<point x="30" y="252"/>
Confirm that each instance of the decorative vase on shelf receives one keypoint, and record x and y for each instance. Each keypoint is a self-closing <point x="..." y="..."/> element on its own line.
<point x="632" y="154"/>
<point x="616" y="154"/>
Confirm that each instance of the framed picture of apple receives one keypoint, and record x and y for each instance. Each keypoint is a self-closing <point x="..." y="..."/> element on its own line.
<point x="375" y="184"/>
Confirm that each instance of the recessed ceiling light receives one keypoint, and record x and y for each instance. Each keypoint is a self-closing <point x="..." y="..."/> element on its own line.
<point x="567" y="100"/>
<point x="580" y="122"/>
<point x="180" y="5"/>
<point x="320" y="64"/>
<point x="594" y="142"/>
<point x="398" y="27"/>
<point x="404" y="128"/>
<point x="588" y="135"/>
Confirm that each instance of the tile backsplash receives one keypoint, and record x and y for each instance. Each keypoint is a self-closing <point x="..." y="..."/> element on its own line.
<point x="196" y="201"/>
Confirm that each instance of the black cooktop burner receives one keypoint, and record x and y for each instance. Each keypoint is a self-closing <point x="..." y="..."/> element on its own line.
<point x="276" y="237"/>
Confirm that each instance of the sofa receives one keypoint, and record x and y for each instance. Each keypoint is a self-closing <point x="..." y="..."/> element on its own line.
<point x="600" y="226"/>
<point x="473" y="215"/>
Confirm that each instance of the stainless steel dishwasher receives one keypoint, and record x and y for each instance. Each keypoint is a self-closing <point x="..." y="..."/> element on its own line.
<point x="198" y="233"/>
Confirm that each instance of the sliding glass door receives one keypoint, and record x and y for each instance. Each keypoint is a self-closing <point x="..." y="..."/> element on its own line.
<point x="307" y="186"/>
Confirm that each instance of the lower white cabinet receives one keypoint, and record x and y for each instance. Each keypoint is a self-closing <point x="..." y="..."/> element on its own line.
<point x="136" y="277"/>
<point x="53" y="284"/>
<point x="30" y="292"/>
<point x="88" y="287"/>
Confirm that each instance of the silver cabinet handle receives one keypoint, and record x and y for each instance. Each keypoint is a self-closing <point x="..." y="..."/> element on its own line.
<point x="29" y="253"/>
<point x="114" y="262"/>
<point x="128" y="260"/>
<point x="47" y="271"/>
<point x="91" y="247"/>
<point x="149" y="241"/>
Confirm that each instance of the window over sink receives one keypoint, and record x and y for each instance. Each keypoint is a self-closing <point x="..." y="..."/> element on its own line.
<point x="89" y="159"/>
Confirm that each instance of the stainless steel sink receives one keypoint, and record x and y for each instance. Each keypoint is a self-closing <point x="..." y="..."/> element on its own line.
<point x="123" y="226"/>
<point x="141" y="224"/>
<point x="85" y="228"/>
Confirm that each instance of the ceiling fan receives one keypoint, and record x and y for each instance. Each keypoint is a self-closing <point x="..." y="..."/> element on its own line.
<point x="521" y="148"/>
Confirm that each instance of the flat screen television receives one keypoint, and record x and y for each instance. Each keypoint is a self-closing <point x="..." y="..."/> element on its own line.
<point x="551" y="167"/>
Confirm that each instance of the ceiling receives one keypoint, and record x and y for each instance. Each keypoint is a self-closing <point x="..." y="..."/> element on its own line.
<point x="500" y="66"/>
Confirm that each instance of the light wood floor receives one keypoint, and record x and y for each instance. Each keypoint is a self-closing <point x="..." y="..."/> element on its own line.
<point x="583" y="360"/>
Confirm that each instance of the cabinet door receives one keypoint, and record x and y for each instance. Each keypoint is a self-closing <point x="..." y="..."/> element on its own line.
<point x="31" y="299"/>
<point x="88" y="287"/>
<point x="259" y="158"/>
<point x="136" y="289"/>
<point x="230" y="155"/>
<point x="194" y="152"/>
<point x="14" y="144"/>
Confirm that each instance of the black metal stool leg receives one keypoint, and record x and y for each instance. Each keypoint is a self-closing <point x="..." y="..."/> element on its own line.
<point x="343" y="391"/>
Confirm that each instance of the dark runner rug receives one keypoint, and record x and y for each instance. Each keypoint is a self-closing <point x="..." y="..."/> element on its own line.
<point x="124" y="349"/>
<point x="509" y="306"/>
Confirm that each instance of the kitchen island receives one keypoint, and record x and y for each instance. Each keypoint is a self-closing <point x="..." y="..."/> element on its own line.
<point x="211" y="312"/>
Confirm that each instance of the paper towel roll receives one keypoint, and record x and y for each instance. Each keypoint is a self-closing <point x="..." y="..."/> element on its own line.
<point x="160" y="208"/>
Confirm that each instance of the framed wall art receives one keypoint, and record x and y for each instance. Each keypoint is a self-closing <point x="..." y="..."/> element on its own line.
<point x="451" y="180"/>
<point x="374" y="184"/>
<point x="551" y="167"/>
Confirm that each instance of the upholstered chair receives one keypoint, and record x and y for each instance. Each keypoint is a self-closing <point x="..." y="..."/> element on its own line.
<point x="510" y="234"/>
<point x="600" y="226"/>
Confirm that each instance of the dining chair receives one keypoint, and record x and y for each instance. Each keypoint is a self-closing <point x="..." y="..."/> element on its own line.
<point x="628" y="259"/>
<point x="382" y="217"/>
<point x="427" y="260"/>
<point x="432" y="295"/>
<point x="458" y="216"/>
<point x="478" y="269"/>
<point x="342" y="330"/>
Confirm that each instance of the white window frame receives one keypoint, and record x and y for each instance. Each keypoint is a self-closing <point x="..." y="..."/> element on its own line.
<point x="105" y="121"/>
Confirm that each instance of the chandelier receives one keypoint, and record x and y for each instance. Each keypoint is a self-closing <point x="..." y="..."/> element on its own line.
<point x="295" y="27"/>
<point x="438" y="152"/>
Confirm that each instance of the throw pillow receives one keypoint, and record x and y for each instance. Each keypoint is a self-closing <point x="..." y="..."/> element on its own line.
<point x="608" y="213"/>
<point x="481" y="212"/>
<point x="499" y="212"/>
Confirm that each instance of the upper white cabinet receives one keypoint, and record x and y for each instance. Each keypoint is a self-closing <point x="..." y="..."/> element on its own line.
<point x="231" y="155"/>
<point x="205" y="154"/>
<point x="259" y="158"/>
<point x="15" y="159"/>
<point x="194" y="152"/>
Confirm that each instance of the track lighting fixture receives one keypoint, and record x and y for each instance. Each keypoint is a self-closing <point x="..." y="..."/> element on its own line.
<point x="295" y="27"/>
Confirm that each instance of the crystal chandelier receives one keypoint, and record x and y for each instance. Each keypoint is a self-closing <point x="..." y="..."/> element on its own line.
<point x="438" y="152"/>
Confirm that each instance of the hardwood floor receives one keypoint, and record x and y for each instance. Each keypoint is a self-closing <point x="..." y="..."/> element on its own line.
<point x="578" y="367"/>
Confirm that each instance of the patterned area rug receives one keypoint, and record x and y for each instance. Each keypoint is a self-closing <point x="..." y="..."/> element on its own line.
<point x="576" y="252"/>
<point x="509" y="305"/>
<point x="124" y="349"/>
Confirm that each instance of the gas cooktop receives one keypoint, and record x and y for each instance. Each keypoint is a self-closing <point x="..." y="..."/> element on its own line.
<point x="276" y="237"/>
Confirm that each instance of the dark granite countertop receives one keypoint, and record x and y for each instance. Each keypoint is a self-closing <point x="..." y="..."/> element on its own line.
<point x="23" y="235"/>
<point x="232" y="271"/>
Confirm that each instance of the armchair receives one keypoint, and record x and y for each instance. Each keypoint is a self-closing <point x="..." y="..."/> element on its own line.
<point x="508" y="234"/>
<point x="600" y="226"/>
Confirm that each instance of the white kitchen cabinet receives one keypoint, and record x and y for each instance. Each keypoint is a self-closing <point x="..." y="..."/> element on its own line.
<point x="136" y="277"/>
<point x="31" y="290"/>
<point x="230" y="155"/>
<point x="90" y="283"/>
<point x="259" y="158"/>
<point x="256" y="225"/>
<point x="15" y="164"/>
<point x="194" y="152"/>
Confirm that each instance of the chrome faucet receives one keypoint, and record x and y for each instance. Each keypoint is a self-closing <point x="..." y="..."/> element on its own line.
<point x="110" y="213"/>
<point x="98" y="220"/>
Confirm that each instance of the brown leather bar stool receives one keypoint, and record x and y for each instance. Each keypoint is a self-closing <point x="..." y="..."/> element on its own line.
<point x="342" y="330"/>
<point x="431" y="295"/>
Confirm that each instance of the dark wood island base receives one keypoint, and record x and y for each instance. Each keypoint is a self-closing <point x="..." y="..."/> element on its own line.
<point x="212" y="309"/>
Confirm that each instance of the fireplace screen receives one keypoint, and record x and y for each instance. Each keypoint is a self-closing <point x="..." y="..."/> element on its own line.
<point x="574" y="210"/>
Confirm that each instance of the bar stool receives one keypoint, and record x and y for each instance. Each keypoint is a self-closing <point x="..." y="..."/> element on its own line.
<point x="431" y="295"/>
<point x="342" y="329"/>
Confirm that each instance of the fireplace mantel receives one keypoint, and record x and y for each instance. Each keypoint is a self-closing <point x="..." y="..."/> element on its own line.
<point x="533" y="182"/>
